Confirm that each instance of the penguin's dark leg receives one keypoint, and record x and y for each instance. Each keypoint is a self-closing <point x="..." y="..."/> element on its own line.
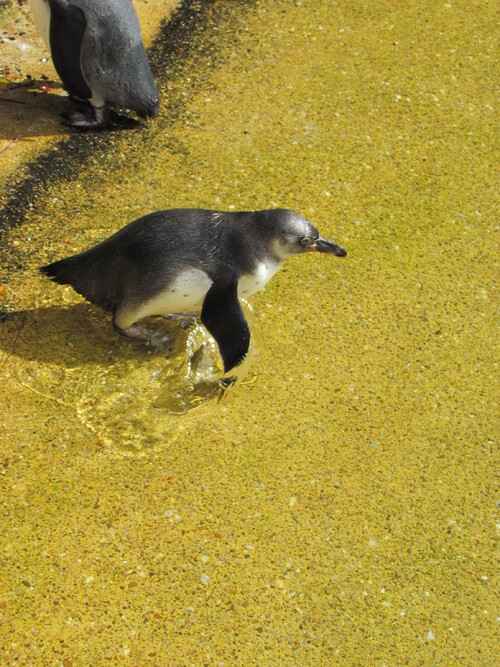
<point x="156" y="340"/>
<point x="94" y="117"/>
<point x="80" y="102"/>
<point x="102" y="114"/>
<point x="83" y="108"/>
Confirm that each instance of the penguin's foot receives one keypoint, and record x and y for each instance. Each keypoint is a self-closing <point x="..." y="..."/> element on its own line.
<point x="185" y="320"/>
<point x="86" y="120"/>
<point x="156" y="340"/>
<point x="227" y="382"/>
<point x="87" y="116"/>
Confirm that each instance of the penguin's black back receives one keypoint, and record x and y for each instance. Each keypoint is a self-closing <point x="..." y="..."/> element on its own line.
<point x="113" y="57"/>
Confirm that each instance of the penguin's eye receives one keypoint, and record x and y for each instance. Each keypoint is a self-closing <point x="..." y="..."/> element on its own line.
<point x="306" y="241"/>
<point x="293" y="239"/>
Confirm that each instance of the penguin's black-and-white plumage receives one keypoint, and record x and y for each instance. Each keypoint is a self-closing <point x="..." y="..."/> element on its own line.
<point x="185" y="260"/>
<point x="98" y="52"/>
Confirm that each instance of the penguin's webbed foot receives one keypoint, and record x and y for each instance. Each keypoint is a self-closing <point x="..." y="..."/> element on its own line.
<point x="85" y="120"/>
<point x="156" y="340"/>
<point x="87" y="117"/>
<point x="185" y="320"/>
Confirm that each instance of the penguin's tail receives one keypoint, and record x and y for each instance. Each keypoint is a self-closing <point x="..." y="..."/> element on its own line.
<point x="61" y="272"/>
<point x="83" y="275"/>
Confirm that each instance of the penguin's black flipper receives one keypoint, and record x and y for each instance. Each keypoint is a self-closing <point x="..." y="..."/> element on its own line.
<point x="223" y="317"/>
<point x="67" y="27"/>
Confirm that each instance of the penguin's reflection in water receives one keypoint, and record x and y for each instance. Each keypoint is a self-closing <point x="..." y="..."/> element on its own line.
<point x="184" y="260"/>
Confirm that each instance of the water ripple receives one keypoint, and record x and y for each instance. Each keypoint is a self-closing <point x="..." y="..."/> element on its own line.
<point x="132" y="398"/>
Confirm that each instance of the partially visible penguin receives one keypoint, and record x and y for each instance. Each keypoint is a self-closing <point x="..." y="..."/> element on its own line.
<point x="98" y="52"/>
<point x="184" y="260"/>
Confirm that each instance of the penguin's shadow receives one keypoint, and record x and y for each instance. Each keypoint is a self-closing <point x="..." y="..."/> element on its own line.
<point x="79" y="335"/>
<point x="31" y="109"/>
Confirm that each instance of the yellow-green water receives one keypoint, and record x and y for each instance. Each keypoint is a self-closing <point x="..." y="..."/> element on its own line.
<point x="337" y="506"/>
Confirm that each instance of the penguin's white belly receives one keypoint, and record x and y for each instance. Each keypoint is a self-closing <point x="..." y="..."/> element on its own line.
<point x="41" y="12"/>
<point x="185" y="294"/>
<point x="253" y="282"/>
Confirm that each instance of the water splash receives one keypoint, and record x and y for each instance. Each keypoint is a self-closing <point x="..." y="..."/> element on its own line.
<point x="134" y="399"/>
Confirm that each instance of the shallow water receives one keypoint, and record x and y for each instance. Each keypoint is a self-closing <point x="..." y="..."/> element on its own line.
<point x="335" y="506"/>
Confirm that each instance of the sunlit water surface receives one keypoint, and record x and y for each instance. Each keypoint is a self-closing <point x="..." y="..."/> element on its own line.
<point x="335" y="506"/>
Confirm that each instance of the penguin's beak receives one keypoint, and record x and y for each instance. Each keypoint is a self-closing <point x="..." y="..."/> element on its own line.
<point x="323" y="245"/>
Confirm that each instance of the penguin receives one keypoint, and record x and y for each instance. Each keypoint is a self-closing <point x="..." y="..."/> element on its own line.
<point x="98" y="52"/>
<point x="184" y="260"/>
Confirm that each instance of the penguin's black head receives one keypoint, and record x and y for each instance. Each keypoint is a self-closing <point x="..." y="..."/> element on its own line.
<point x="291" y="234"/>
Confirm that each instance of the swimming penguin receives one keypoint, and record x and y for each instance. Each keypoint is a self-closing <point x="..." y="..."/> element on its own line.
<point x="184" y="260"/>
<point x="98" y="52"/>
